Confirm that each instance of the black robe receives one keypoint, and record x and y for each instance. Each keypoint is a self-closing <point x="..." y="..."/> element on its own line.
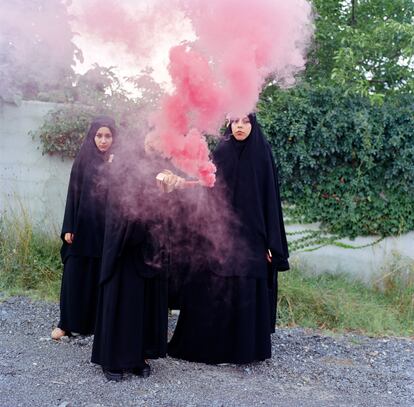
<point x="180" y="240"/>
<point x="228" y="310"/>
<point x="84" y="217"/>
<point x="132" y="316"/>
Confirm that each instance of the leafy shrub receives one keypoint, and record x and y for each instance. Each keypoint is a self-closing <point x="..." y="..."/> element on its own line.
<point x="64" y="129"/>
<point x="343" y="161"/>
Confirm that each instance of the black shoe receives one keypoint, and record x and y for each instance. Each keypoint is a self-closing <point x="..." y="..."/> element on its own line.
<point x="143" y="371"/>
<point x="113" y="375"/>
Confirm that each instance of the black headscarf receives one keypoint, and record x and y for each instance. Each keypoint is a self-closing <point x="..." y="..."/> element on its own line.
<point x="84" y="211"/>
<point x="247" y="173"/>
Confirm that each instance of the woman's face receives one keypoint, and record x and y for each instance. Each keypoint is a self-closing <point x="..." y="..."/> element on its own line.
<point x="103" y="139"/>
<point x="241" y="128"/>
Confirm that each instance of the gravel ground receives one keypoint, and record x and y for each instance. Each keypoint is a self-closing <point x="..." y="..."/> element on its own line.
<point x="307" y="368"/>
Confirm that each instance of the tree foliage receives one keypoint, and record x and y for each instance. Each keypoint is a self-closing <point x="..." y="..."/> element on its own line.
<point x="364" y="46"/>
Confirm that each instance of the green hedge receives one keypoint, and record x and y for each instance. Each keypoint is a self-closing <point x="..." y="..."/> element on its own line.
<point x="343" y="161"/>
<point x="64" y="129"/>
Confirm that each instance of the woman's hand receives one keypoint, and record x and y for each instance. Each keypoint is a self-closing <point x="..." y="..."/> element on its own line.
<point x="269" y="256"/>
<point x="69" y="238"/>
<point x="167" y="181"/>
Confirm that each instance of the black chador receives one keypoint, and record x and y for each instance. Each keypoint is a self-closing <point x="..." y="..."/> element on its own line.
<point x="228" y="309"/>
<point x="132" y="316"/>
<point x="84" y="218"/>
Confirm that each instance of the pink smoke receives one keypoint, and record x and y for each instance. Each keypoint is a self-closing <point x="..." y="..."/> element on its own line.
<point x="239" y="45"/>
<point x="139" y="31"/>
<point x="196" y="104"/>
<point x="36" y="47"/>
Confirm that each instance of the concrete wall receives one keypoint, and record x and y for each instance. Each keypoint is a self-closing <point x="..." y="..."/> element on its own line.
<point x="367" y="264"/>
<point x="38" y="183"/>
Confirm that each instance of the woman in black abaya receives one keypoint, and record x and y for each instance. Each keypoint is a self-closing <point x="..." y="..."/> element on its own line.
<point x="132" y="316"/>
<point x="83" y="231"/>
<point x="228" y="307"/>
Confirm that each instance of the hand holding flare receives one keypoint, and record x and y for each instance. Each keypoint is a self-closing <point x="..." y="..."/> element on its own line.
<point x="167" y="181"/>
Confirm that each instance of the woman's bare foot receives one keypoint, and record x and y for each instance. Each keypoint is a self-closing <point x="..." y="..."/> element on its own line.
<point x="57" y="333"/>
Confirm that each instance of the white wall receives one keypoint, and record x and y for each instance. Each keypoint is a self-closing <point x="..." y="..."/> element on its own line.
<point x="368" y="264"/>
<point x="39" y="183"/>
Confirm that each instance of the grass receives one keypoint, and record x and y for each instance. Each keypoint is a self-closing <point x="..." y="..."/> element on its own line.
<point x="337" y="303"/>
<point x="30" y="265"/>
<point x="29" y="260"/>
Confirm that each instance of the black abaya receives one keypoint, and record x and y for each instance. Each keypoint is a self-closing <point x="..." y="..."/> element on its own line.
<point x="84" y="217"/>
<point x="223" y="320"/>
<point x="229" y="310"/>
<point x="132" y="316"/>
<point x="79" y="294"/>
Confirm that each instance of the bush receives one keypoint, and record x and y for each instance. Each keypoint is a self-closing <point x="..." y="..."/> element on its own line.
<point x="63" y="130"/>
<point x="343" y="161"/>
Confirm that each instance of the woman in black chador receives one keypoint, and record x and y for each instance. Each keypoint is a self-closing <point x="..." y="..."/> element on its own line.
<point x="132" y="316"/>
<point x="228" y="308"/>
<point x="83" y="231"/>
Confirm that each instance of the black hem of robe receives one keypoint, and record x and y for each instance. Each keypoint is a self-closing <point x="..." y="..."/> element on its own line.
<point x="223" y="320"/>
<point x="79" y="294"/>
<point x="132" y="318"/>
